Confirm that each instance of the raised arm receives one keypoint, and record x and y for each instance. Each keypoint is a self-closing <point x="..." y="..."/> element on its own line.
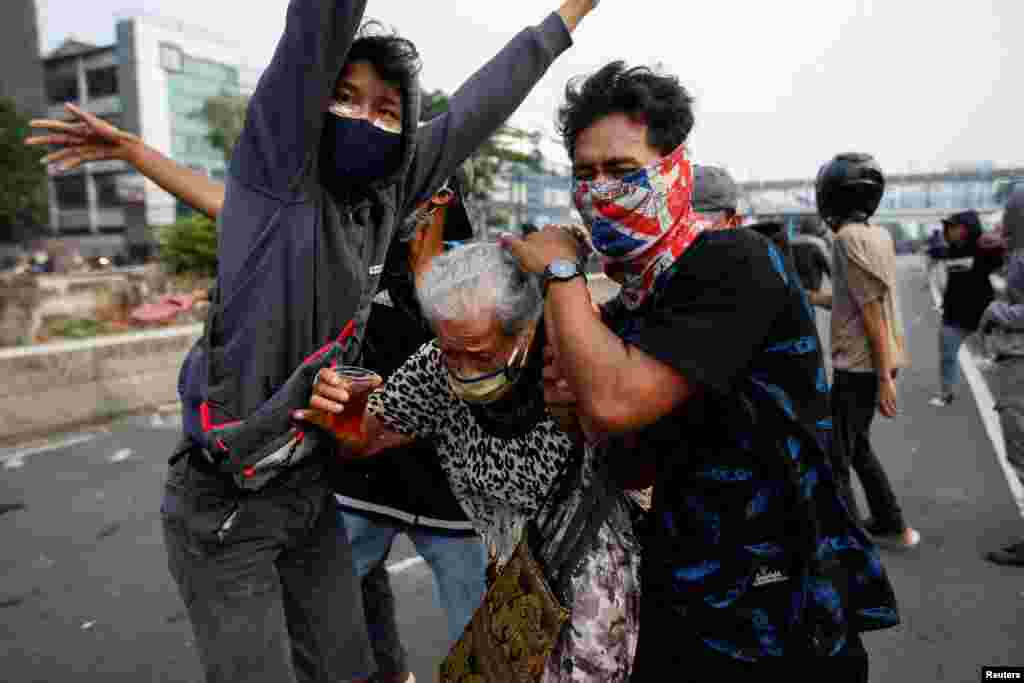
<point x="485" y="102"/>
<point x="285" y="116"/>
<point x="89" y="138"/>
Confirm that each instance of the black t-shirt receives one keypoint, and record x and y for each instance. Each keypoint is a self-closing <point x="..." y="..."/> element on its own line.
<point x="405" y="483"/>
<point x="737" y="462"/>
<point x="811" y="264"/>
<point x="968" y="288"/>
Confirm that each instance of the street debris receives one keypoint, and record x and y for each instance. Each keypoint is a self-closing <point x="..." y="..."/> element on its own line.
<point x="11" y="602"/>
<point x="11" y="507"/>
<point x="108" y="530"/>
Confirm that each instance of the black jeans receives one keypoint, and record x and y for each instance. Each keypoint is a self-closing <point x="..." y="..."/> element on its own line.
<point x="267" y="578"/>
<point x="854" y="402"/>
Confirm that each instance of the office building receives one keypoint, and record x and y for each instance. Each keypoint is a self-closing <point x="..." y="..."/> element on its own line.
<point x="21" y="73"/>
<point x="153" y="81"/>
<point x="524" y="195"/>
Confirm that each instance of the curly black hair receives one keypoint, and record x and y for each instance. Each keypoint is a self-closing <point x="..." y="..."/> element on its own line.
<point x="660" y="101"/>
<point x="396" y="59"/>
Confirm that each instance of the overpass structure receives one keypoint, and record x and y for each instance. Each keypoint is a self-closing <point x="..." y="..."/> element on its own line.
<point x="917" y="202"/>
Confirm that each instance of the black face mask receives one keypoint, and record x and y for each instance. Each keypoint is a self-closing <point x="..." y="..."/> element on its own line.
<point x="356" y="152"/>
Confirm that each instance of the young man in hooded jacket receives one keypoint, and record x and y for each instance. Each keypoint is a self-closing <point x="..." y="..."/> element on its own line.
<point x="328" y="161"/>
<point x="311" y="207"/>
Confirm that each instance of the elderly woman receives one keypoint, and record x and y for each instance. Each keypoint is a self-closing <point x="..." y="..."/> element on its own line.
<point x="476" y="393"/>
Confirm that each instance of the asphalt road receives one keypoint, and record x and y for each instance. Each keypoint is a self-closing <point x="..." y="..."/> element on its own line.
<point x="85" y="594"/>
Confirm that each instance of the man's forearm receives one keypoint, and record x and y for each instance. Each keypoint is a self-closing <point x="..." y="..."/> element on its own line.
<point x="619" y="388"/>
<point x="485" y="101"/>
<point x="587" y="350"/>
<point x="877" y="329"/>
<point x="193" y="188"/>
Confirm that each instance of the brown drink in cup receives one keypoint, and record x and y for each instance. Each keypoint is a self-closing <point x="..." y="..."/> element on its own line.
<point x="348" y="427"/>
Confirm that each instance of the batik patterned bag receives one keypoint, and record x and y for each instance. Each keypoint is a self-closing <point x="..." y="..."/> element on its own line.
<point x="511" y="634"/>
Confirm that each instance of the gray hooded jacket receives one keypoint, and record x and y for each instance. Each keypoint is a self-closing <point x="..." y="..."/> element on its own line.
<point x="298" y="267"/>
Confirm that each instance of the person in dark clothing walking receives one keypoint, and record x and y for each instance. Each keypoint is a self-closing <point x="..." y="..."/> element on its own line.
<point x="330" y="158"/>
<point x="811" y="254"/>
<point x="968" y="293"/>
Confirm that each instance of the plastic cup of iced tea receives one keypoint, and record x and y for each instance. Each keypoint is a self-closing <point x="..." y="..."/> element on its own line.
<point x="348" y="426"/>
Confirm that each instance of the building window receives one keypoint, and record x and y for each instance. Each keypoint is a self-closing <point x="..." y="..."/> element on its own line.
<point x="70" y="192"/>
<point x="109" y="190"/>
<point x="102" y="82"/>
<point x="62" y="84"/>
<point x="172" y="58"/>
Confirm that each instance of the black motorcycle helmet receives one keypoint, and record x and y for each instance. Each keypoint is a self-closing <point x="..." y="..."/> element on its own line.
<point x="849" y="189"/>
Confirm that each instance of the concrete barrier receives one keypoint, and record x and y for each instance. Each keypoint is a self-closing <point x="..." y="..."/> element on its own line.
<point x="53" y="387"/>
<point x="49" y="388"/>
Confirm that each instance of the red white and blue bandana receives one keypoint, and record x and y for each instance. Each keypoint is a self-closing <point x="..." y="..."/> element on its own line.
<point x="642" y="223"/>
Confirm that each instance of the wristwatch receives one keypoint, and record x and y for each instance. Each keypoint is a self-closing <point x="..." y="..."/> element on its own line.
<point x="561" y="270"/>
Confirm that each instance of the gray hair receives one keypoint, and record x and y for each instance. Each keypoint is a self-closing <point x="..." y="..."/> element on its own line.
<point x="479" y="279"/>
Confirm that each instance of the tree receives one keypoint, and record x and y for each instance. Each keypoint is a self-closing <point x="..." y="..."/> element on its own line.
<point x="225" y="115"/>
<point x="23" y="200"/>
<point x="189" y="246"/>
<point x="502" y="150"/>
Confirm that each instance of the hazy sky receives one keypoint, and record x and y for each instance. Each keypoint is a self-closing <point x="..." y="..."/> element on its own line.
<point x="780" y="86"/>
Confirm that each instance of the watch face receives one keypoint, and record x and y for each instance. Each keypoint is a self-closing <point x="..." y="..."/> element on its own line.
<point x="563" y="269"/>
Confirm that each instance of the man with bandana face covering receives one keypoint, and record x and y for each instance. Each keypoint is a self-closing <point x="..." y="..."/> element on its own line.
<point x="709" y="364"/>
<point x="329" y="158"/>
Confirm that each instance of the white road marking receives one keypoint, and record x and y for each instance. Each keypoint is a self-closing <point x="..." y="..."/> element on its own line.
<point x="122" y="455"/>
<point x="17" y="459"/>
<point x="986" y="409"/>
<point x="402" y="565"/>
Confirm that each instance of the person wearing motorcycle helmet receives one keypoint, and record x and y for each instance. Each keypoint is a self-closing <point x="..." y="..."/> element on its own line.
<point x="867" y="335"/>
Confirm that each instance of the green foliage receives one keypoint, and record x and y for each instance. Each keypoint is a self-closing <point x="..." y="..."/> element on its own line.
<point x="492" y="158"/>
<point x="189" y="246"/>
<point x="225" y="115"/>
<point x="23" y="200"/>
<point x="77" y="328"/>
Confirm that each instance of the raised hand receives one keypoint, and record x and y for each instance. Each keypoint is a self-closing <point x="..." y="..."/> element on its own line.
<point x="573" y="11"/>
<point x="86" y="138"/>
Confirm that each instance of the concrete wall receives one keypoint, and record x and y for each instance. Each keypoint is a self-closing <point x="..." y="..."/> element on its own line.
<point x="54" y="387"/>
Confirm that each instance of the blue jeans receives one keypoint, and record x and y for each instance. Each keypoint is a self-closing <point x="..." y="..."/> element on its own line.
<point x="457" y="560"/>
<point x="951" y="338"/>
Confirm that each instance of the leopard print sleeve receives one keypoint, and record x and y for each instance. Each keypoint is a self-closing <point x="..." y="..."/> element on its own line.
<point x="416" y="398"/>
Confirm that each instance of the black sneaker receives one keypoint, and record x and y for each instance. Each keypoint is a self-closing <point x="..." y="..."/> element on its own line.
<point x="942" y="400"/>
<point x="1010" y="556"/>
